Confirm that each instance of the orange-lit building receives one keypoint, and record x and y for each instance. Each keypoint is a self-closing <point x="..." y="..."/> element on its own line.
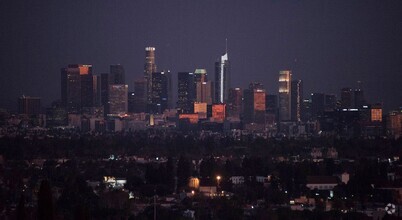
<point x="376" y="113"/>
<point x="394" y="124"/>
<point x="218" y="112"/>
<point x="201" y="109"/>
<point x="193" y="118"/>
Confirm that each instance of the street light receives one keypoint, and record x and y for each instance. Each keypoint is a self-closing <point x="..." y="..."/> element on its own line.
<point x="218" y="178"/>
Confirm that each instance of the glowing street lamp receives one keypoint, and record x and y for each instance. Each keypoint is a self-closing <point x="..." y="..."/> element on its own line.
<point x="218" y="179"/>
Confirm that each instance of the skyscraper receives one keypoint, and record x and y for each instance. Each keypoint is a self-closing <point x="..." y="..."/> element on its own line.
<point x="29" y="105"/>
<point x="359" y="99"/>
<point x="76" y="87"/>
<point x="285" y="78"/>
<point x="222" y="79"/>
<point x="234" y="105"/>
<point x="204" y="92"/>
<point x="104" y="91"/>
<point x="160" y="91"/>
<point x="140" y="96"/>
<point x="200" y="75"/>
<point x="117" y="74"/>
<point x="317" y="104"/>
<point x="118" y="103"/>
<point x="347" y="98"/>
<point x="149" y="68"/>
<point x="186" y="92"/>
<point x="296" y="99"/>
<point x="254" y="104"/>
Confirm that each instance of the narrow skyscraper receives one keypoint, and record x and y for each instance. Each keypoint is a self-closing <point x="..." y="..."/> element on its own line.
<point x="285" y="77"/>
<point x="296" y="99"/>
<point x="222" y="78"/>
<point x="186" y="92"/>
<point x="149" y="68"/>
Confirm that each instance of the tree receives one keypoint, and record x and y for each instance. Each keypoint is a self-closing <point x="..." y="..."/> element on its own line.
<point x="45" y="203"/>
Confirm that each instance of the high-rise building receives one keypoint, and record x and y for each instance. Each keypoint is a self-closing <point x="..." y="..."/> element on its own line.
<point x="271" y="104"/>
<point x="330" y="102"/>
<point x="200" y="75"/>
<point x="29" y="105"/>
<point x="118" y="103"/>
<point x="218" y="112"/>
<point x="254" y="104"/>
<point x="186" y="92"/>
<point x="296" y="99"/>
<point x="306" y="113"/>
<point x="317" y="104"/>
<point x="76" y="87"/>
<point x="204" y="92"/>
<point x="104" y="90"/>
<point x="117" y="74"/>
<point x="234" y="105"/>
<point x="149" y="68"/>
<point x="347" y="101"/>
<point x="376" y="113"/>
<point x="222" y="79"/>
<point x="160" y="91"/>
<point x="131" y="102"/>
<point x="359" y="100"/>
<point x="97" y="90"/>
<point x="140" y="96"/>
<point x="285" y="78"/>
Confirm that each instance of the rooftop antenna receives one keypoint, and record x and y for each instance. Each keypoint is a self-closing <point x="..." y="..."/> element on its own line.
<point x="226" y="45"/>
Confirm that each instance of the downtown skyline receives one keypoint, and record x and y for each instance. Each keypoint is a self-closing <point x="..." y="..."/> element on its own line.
<point x="327" y="52"/>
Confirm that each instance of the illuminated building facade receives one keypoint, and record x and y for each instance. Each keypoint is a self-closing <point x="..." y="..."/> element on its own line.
<point x="149" y="68"/>
<point x="204" y="92"/>
<point x="296" y="99"/>
<point x="254" y="104"/>
<point x="218" y="112"/>
<point x="285" y="77"/>
<point x="222" y="79"/>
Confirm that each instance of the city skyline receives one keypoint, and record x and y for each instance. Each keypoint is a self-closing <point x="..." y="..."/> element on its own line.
<point x="359" y="45"/>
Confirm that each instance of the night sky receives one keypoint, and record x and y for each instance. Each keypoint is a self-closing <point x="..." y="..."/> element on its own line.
<point x="327" y="44"/>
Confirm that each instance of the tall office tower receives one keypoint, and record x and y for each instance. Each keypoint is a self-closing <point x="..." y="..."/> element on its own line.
<point x="117" y="74"/>
<point x="131" y="102"/>
<point x="222" y="79"/>
<point x="271" y="104"/>
<point x="296" y="99"/>
<point x="29" y="105"/>
<point x="140" y="96"/>
<point x="186" y="92"/>
<point x="159" y="91"/>
<point x="254" y="104"/>
<point x="317" y="104"/>
<point x="285" y="77"/>
<point x="330" y="102"/>
<point x="204" y="92"/>
<point x="118" y="104"/>
<point x="359" y="100"/>
<point x="149" y="68"/>
<point x="200" y="75"/>
<point x="76" y="87"/>
<point x="104" y="90"/>
<point x="234" y="105"/>
<point x="97" y="90"/>
<point x="347" y="98"/>
<point x="306" y="113"/>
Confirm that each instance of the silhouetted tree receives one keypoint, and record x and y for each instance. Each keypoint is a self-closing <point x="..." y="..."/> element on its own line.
<point x="45" y="203"/>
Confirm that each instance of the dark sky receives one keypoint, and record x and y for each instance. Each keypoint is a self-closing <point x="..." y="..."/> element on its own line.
<point x="328" y="44"/>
